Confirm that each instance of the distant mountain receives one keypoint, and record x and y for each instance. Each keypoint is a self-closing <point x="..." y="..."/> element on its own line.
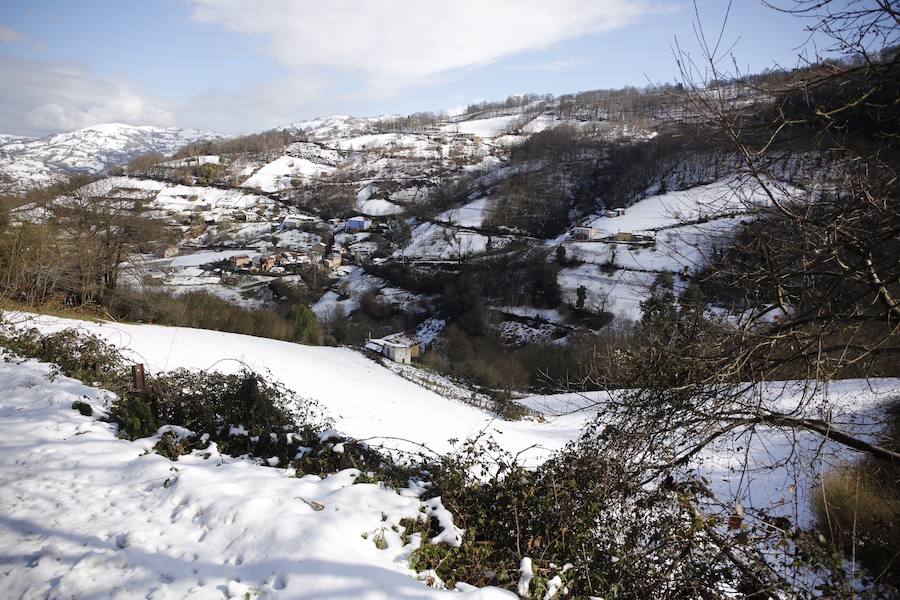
<point x="6" y="138"/>
<point x="29" y="162"/>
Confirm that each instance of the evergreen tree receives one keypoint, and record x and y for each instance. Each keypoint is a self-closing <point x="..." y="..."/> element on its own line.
<point x="581" y="294"/>
<point x="659" y="308"/>
<point x="306" y="326"/>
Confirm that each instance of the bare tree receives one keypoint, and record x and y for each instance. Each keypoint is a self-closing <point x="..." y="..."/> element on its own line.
<point x="74" y="240"/>
<point x="813" y="282"/>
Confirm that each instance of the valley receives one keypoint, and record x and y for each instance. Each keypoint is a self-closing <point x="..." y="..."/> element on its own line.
<point x="615" y="344"/>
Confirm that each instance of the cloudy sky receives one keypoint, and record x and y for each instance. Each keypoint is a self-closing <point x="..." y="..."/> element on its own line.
<point x="238" y="66"/>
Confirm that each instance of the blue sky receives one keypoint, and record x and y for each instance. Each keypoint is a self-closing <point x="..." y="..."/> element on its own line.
<point x="236" y="66"/>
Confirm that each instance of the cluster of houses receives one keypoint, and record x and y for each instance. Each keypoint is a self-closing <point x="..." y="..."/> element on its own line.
<point x="589" y="233"/>
<point x="277" y="261"/>
<point x="352" y="225"/>
<point x="291" y="221"/>
<point x="317" y="252"/>
<point x="586" y="233"/>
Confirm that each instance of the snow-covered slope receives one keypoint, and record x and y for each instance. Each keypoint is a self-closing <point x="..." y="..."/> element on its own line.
<point x="366" y="400"/>
<point x="494" y="126"/>
<point x="87" y="515"/>
<point x="334" y="126"/>
<point x="277" y="175"/>
<point x="19" y="173"/>
<point x="686" y="226"/>
<point x="6" y="138"/>
<point x="27" y="162"/>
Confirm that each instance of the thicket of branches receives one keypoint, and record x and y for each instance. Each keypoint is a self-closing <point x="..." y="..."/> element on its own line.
<point x="73" y="244"/>
<point x="256" y="144"/>
<point x="811" y="286"/>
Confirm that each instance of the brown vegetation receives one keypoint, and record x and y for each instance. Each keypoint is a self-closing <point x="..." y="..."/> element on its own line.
<point x="858" y="510"/>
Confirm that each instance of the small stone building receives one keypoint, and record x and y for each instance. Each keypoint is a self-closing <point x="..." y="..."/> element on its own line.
<point x="585" y="232"/>
<point x="399" y="347"/>
<point x="241" y="262"/>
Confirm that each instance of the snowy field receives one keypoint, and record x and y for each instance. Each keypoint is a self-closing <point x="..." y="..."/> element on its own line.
<point x="208" y="202"/>
<point x="87" y="515"/>
<point x="431" y="241"/>
<point x="687" y="225"/>
<point x="620" y="292"/>
<point x="771" y="469"/>
<point x="365" y="400"/>
<point x="471" y="214"/>
<point x="483" y="127"/>
<point x="723" y="198"/>
<point x="277" y="175"/>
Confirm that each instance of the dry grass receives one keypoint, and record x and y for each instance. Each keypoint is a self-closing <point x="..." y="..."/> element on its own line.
<point x="56" y="308"/>
<point x="858" y="510"/>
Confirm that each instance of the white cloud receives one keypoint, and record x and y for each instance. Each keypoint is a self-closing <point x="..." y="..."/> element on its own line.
<point x="8" y="36"/>
<point x="550" y="67"/>
<point x="258" y="107"/>
<point x="338" y="55"/>
<point x="43" y="97"/>
<point x="391" y="45"/>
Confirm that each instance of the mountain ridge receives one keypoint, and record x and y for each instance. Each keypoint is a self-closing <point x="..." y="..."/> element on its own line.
<point x="32" y="162"/>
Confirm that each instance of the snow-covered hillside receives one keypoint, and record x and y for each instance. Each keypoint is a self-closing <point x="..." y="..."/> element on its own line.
<point x="332" y="127"/>
<point x="683" y="229"/>
<point x="366" y="400"/>
<point x="302" y="161"/>
<point x="28" y="162"/>
<point x="290" y="195"/>
<point x="87" y="515"/>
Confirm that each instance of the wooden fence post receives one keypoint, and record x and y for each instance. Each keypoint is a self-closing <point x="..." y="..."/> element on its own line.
<point x="138" y="378"/>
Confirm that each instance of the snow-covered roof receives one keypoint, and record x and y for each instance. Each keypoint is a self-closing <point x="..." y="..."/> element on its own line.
<point x="398" y="340"/>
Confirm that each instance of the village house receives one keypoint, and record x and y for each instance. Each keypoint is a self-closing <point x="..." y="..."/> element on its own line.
<point x="333" y="260"/>
<point x="267" y="262"/>
<point x="357" y="224"/>
<point x="154" y="277"/>
<point x="363" y="250"/>
<point x="242" y="261"/>
<point x="293" y="222"/>
<point x="398" y="347"/>
<point x="318" y="248"/>
<point x="615" y="212"/>
<point x="585" y="232"/>
<point x="627" y="237"/>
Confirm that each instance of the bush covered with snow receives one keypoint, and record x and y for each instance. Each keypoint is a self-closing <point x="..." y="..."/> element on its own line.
<point x="588" y="528"/>
<point x="77" y="355"/>
<point x="243" y="413"/>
